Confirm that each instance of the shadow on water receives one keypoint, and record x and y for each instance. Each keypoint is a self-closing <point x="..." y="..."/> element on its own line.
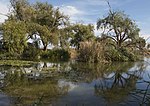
<point x="73" y="83"/>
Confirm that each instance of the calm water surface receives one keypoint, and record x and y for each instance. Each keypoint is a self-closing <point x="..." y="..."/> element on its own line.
<point x="76" y="84"/>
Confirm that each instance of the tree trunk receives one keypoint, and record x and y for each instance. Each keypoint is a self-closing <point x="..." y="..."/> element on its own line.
<point x="45" y="47"/>
<point x="119" y="43"/>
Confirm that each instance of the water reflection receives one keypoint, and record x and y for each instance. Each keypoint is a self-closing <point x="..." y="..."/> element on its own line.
<point x="74" y="83"/>
<point x="116" y="86"/>
<point x="28" y="85"/>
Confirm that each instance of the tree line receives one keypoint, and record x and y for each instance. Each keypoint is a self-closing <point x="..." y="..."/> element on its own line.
<point x="31" y="25"/>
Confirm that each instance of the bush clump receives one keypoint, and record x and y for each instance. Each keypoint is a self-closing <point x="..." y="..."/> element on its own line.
<point x="31" y="53"/>
<point x="55" y="55"/>
<point x="120" y="54"/>
<point x="8" y="56"/>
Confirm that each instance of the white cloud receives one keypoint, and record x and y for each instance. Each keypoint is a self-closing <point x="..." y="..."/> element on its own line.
<point x="97" y="32"/>
<point x="144" y="26"/>
<point x="4" y="9"/>
<point x="70" y="10"/>
<point x="70" y="85"/>
<point x="73" y="12"/>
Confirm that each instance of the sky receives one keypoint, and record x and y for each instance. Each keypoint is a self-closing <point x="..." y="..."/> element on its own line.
<point x="89" y="11"/>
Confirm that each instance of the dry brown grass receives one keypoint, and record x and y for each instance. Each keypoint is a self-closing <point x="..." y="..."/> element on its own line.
<point x="92" y="51"/>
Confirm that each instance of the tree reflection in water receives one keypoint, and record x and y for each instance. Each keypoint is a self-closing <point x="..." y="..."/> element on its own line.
<point x="44" y="83"/>
<point x="120" y="87"/>
<point x="26" y="88"/>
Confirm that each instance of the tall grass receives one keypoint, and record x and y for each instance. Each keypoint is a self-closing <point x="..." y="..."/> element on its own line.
<point x="92" y="51"/>
<point x="102" y="51"/>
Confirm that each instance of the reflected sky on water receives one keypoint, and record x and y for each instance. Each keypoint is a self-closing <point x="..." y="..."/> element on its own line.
<point x="76" y="84"/>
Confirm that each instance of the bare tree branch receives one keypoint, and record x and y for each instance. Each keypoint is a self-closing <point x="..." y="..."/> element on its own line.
<point x="4" y="14"/>
<point x="147" y="38"/>
<point x="110" y="9"/>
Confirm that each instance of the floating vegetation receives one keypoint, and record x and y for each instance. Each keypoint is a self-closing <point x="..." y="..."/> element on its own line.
<point x="16" y="62"/>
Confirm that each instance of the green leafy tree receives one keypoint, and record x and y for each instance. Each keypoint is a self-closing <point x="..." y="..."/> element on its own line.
<point x="14" y="36"/>
<point x="81" y="33"/>
<point x="50" y="20"/>
<point x="42" y="19"/>
<point x="118" y="27"/>
<point x="21" y="10"/>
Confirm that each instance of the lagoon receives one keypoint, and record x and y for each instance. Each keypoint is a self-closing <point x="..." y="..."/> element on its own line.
<point x="76" y="84"/>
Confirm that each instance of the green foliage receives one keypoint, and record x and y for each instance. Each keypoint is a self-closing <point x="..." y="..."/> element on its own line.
<point x="47" y="15"/>
<point x="118" y="27"/>
<point x="27" y="92"/>
<point x="49" y="21"/>
<point x="55" y="55"/>
<point x="41" y="19"/>
<point x="102" y="51"/>
<point x="64" y="37"/>
<point x="14" y="36"/>
<point x="81" y="33"/>
<point x="120" y="54"/>
<point x="6" y="56"/>
<point x="21" y="10"/>
<point x="141" y="43"/>
<point x="25" y="22"/>
<point x="45" y="24"/>
<point x="16" y="63"/>
<point x="129" y="54"/>
<point x="31" y="53"/>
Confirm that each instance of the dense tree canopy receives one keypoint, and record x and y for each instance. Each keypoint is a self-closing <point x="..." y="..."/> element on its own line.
<point x="52" y="20"/>
<point x="141" y="43"/>
<point x="21" y="10"/>
<point x="14" y="36"/>
<point x="42" y="19"/>
<point x="82" y="33"/>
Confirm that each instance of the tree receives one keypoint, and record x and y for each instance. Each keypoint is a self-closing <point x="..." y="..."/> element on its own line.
<point x="21" y="10"/>
<point x="81" y="33"/>
<point x="118" y="27"/>
<point x="42" y="19"/>
<point x="50" y="21"/>
<point x="14" y="36"/>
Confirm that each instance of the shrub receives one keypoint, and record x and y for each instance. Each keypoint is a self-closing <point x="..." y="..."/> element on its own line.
<point x="130" y="54"/>
<point x="31" y="53"/>
<point x="115" y="55"/>
<point x="55" y="55"/>
<point x="119" y="54"/>
<point x="8" y="56"/>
